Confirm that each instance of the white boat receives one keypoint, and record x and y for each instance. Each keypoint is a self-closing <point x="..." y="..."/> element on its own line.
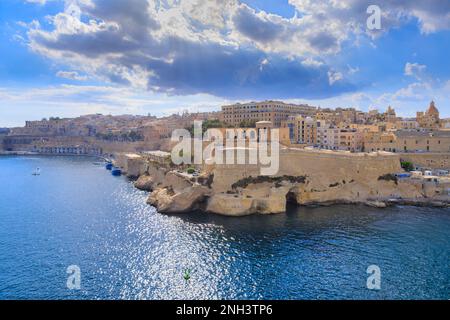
<point x="37" y="172"/>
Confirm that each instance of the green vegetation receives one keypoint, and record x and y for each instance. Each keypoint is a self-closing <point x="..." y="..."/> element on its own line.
<point x="407" y="166"/>
<point x="190" y="170"/>
<point x="131" y="136"/>
<point x="388" y="177"/>
<point x="243" y="183"/>
<point x="248" y="124"/>
<point x="209" y="124"/>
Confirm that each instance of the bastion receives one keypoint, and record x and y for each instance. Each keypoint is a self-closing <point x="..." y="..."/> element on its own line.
<point x="305" y="177"/>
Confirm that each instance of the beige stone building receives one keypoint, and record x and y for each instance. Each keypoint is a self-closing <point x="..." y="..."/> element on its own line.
<point x="327" y="136"/>
<point x="430" y="118"/>
<point x="273" y="111"/>
<point x="407" y="124"/>
<point x="350" y="140"/>
<point x="379" y="141"/>
<point x="433" y="141"/>
<point x="390" y="115"/>
<point x="408" y="141"/>
<point x="302" y="130"/>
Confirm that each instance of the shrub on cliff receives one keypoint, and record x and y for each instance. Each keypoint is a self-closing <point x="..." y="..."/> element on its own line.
<point x="243" y="183"/>
<point x="190" y="170"/>
<point x="407" y="166"/>
<point x="388" y="177"/>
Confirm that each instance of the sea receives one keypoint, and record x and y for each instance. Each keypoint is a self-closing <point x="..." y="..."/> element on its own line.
<point x="77" y="232"/>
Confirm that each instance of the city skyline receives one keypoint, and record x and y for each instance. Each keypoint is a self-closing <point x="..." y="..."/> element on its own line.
<point x="74" y="57"/>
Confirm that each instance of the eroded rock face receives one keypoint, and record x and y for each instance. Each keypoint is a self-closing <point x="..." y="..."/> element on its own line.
<point x="167" y="201"/>
<point x="239" y="190"/>
<point x="144" y="183"/>
<point x="263" y="198"/>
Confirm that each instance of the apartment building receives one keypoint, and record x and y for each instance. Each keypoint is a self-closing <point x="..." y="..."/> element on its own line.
<point x="302" y="130"/>
<point x="351" y="140"/>
<point x="327" y="136"/>
<point x="273" y="111"/>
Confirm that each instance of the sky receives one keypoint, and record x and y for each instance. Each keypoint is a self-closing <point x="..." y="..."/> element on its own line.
<point x="72" y="57"/>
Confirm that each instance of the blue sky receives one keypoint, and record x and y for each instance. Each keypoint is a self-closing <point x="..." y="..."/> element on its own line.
<point x="73" y="57"/>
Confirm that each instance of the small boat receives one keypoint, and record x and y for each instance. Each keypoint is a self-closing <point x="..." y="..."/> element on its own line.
<point x="37" y="172"/>
<point x="187" y="274"/>
<point x="109" y="166"/>
<point x="116" y="171"/>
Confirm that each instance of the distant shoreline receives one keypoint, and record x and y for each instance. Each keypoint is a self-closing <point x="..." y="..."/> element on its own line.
<point x="29" y="153"/>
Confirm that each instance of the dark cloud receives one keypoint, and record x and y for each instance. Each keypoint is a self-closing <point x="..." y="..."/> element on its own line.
<point x="323" y="41"/>
<point x="89" y="44"/>
<point x="180" y="65"/>
<point x="133" y="16"/>
<point x="255" y="27"/>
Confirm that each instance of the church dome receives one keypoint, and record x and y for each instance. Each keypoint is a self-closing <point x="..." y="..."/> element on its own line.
<point x="432" y="110"/>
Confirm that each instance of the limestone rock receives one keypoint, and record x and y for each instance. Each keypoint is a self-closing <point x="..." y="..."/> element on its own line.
<point x="376" y="204"/>
<point x="167" y="201"/>
<point x="144" y="183"/>
<point x="230" y="205"/>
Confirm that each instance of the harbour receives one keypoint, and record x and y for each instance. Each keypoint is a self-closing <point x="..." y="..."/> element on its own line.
<point x="76" y="213"/>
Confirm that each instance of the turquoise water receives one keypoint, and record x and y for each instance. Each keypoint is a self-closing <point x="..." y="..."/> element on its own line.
<point x="76" y="213"/>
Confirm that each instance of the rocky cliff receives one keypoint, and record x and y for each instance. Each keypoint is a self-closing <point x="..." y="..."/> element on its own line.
<point x="304" y="178"/>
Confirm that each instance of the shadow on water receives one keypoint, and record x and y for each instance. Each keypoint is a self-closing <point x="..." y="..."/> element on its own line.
<point x="305" y="221"/>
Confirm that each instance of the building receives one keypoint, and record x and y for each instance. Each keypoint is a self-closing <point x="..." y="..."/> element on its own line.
<point x="423" y="141"/>
<point x="302" y="130"/>
<point x="390" y="116"/>
<point x="430" y="118"/>
<point x="407" y="141"/>
<point x="379" y="141"/>
<point x="445" y="124"/>
<point x="350" y="140"/>
<point x="327" y="136"/>
<point x="273" y="111"/>
<point x="407" y="124"/>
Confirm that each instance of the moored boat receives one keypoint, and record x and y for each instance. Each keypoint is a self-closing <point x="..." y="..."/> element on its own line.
<point x="116" y="171"/>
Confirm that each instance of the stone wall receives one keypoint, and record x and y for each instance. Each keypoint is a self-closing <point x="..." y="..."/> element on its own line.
<point x="321" y="166"/>
<point x="428" y="160"/>
<point x="132" y="165"/>
<point x="305" y="177"/>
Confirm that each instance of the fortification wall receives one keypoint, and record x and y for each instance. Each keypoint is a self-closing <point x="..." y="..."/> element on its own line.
<point x="324" y="168"/>
<point x="428" y="160"/>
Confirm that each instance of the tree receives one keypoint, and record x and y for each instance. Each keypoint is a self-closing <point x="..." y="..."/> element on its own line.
<point x="209" y="124"/>
<point x="407" y="166"/>
<point x="248" y="124"/>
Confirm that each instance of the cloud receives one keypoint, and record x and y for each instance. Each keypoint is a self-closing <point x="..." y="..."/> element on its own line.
<point x="135" y="45"/>
<point x="71" y="75"/>
<point x="350" y="15"/>
<point x="217" y="47"/>
<point x="258" y="27"/>
<point x="41" y="2"/>
<point x="415" y="70"/>
<point x="334" y="77"/>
